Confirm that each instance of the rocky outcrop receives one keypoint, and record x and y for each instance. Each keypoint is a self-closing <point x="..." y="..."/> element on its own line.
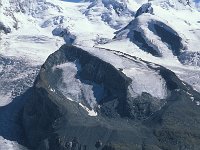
<point x="52" y="117"/>
<point x="169" y="36"/>
<point x="145" y="8"/>
<point x="53" y="21"/>
<point x="190" y="58"/>
<point x="65" y="33"/>
<point x="158" y="38"/>
<point x="5" y="29"/>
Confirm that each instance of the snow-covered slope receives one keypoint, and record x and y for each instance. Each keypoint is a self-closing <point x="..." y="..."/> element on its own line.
<point x="168" y="4"/>
<point x="10" y="145"/>
<point x="115" y="13"/>
<point x="165" y="37"/>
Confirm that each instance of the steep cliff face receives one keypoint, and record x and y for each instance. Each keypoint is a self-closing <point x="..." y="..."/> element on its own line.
<point x="81" y="93"/>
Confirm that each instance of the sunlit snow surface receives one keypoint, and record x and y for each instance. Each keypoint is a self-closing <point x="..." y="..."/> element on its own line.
<point x="10" y="145"/>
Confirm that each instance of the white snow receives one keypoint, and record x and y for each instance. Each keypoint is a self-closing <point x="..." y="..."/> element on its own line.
<point x="75" y="89"/>
<point x="90" y="112"/>
<point x="189" y="93"/>
<point x="148" y="81"/>
<point x="5" y="99"/>
<point x="183" y="21"/>
<point x="10" y="145"/>
<point x="192" y="98"/>
<point x="52" y="90"/>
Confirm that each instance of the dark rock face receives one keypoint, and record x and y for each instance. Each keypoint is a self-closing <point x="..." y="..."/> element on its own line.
<point x="143" y="106"/>
<point x="65" y="33"/>
<point x="173" y="40"/>
<point x="4" y="28"/>
<point x="40" y="115"/>
<point x="119" y="7"/>
<point x="167" y="34"/>
<point x="50" y="119"/>
<point x="145" y="8"/>
<point x="93" y="70"/>
<point x="170" y="37"/>
<point x="139" y="40"/>
<point x="190" y="58"/>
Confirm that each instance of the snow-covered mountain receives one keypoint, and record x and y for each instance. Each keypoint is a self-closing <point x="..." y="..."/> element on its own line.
<point x="133" y="36"/>
<point x="164" y="37"/>
<point x="115" y="13"/>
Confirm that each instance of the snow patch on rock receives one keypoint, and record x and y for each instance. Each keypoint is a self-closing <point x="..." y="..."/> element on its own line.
<point x="145" y="80"/>
<point x="10" y="145"/>
<point x="90" y="112"/>
<point x="76" y="89"/>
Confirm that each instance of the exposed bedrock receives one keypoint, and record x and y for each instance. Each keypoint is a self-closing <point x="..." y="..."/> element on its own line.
<point x="5" y="29"/>
<point x="98" y="104"/>
<point x="65" y="33"/>
<point x="145" y="8"/>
